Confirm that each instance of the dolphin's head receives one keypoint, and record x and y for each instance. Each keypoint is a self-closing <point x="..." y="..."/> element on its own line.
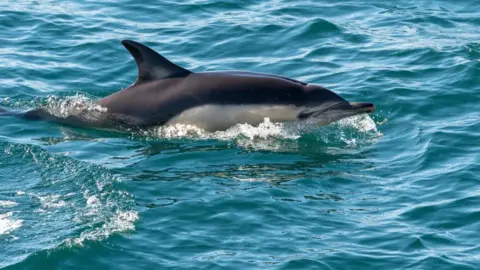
<point x="324" y="106"/>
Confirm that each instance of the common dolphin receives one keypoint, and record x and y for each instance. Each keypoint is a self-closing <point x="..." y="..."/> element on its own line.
<point x="165" y="93"/>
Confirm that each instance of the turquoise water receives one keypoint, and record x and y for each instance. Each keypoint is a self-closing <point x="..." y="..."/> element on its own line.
<point x="399" y="189"/>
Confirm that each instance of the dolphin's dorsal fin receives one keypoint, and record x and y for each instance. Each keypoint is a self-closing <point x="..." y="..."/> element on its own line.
<point x="151" y="65"/>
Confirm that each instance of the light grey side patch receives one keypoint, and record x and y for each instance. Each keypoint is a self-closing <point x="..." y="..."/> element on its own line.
<point x="222" y="117"/>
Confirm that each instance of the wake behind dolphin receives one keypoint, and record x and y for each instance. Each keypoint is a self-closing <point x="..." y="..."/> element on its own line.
<point x="165" y="94"/>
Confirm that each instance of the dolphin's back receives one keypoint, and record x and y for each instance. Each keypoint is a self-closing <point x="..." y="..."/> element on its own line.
<point x="244" y="88"/>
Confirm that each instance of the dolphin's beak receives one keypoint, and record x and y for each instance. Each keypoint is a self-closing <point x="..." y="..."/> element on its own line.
<point x="362" y="107"/>
<point x="330" y="112"/>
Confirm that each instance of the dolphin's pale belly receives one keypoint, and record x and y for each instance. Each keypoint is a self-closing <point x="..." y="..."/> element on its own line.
<point x="222" y="117"/>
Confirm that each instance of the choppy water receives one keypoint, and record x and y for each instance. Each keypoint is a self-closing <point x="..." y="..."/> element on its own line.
<point x="399" y="189"/>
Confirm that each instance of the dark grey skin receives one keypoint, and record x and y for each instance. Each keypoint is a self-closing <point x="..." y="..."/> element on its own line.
<point x="165" y="93"/>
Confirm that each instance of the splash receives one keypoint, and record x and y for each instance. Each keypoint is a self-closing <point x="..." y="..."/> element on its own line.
<point x="7" y="204"/>
<point x="353" y="131"/>
<point x="350" y="132"/>
<point x="362" y="123"/>
<point x="101" y="208"/>
<point x="263" y="130"/>
<point x="122" y="221"/>
<point x="7" y="224"/>
<point x="58" y="106"/>
<point x="72" y="105"/>
<point x="51" y="201"/>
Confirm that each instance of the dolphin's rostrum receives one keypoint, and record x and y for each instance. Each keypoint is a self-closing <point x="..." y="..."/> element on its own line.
<point x="165" y="93"/>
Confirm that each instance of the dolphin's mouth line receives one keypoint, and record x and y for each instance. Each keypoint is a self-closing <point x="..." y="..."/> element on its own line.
<point x="351" y="108"/>
<point x="367" y="110"/>
<point x="363" y="107"/>
<point x="328" y="113"/>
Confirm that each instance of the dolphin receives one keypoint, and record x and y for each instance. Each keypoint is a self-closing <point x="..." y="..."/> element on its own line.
<point x="166" y="94"/>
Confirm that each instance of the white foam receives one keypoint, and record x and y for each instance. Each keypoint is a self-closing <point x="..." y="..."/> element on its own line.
<point x="176" y="131"/>
<point x="51" y="201"/>
<point x="264" y="130"/>
<point x="72" y="105"/>
<point x="7" y="224"/>
<point x="352" y="131"/>
<point x="8" y="204"/>
<point x="122" y="221"/>
<point x="93" y="201"/>
<point x="362" y="123"/>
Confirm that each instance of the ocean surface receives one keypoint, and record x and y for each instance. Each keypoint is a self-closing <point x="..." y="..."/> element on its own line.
<point x="398" y="189"/>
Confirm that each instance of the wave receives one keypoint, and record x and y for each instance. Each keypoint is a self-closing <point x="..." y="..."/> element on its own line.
<point x="58" y="201"/>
